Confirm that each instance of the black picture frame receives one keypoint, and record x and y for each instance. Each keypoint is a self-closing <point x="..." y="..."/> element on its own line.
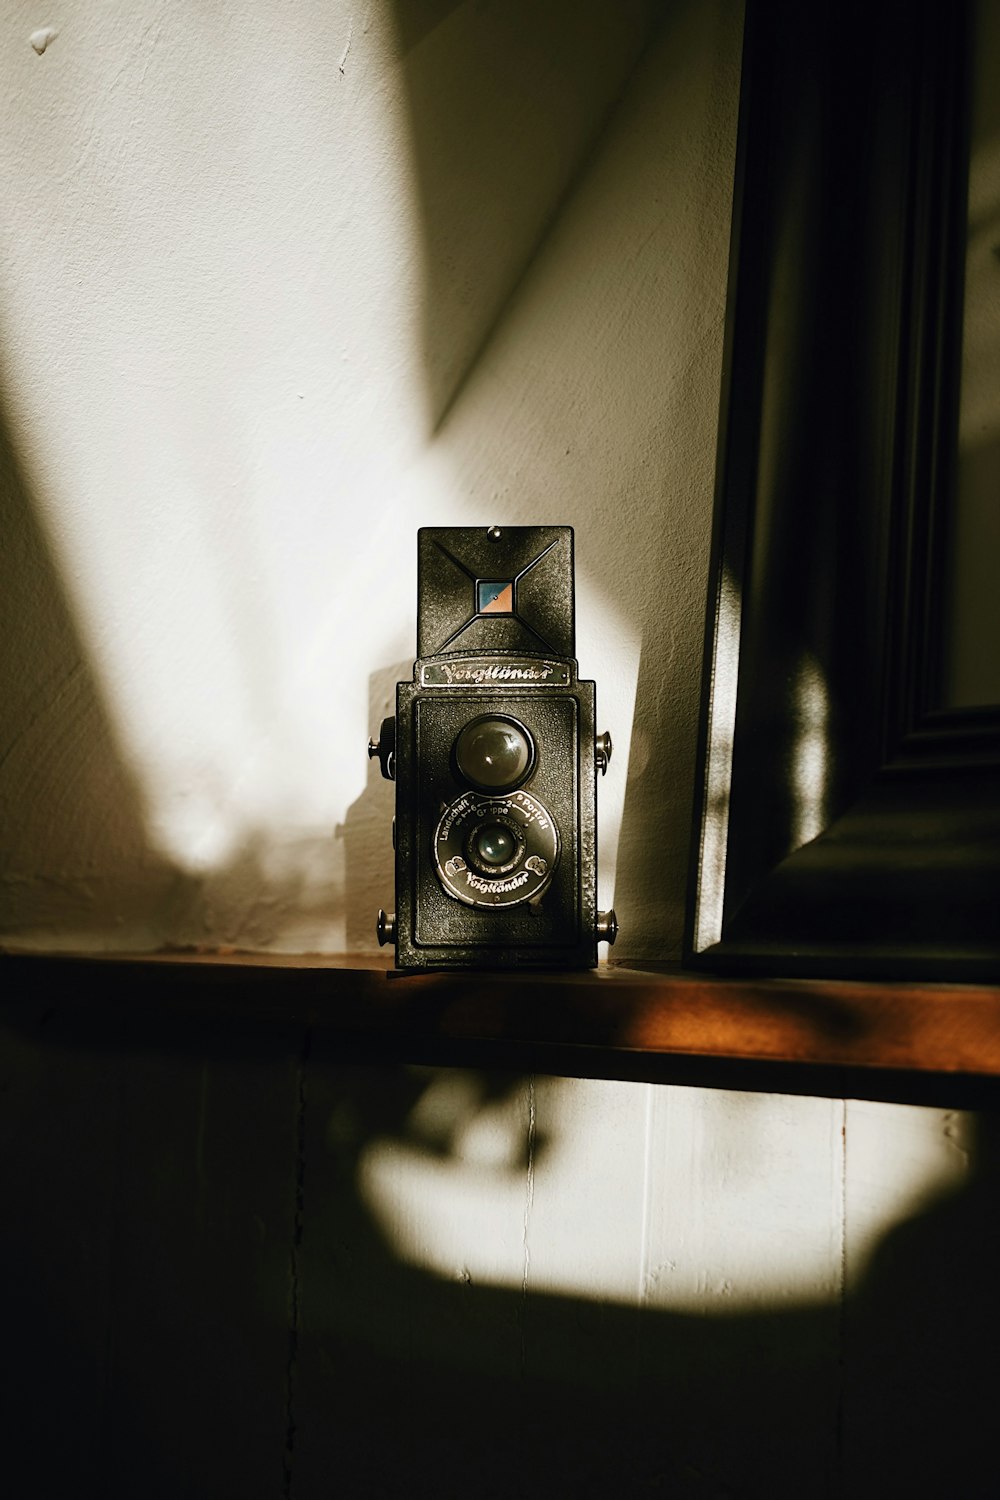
<point x="846" y="824"/>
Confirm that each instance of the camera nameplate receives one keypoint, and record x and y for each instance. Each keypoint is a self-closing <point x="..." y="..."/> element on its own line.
<point x="478" y="671"/>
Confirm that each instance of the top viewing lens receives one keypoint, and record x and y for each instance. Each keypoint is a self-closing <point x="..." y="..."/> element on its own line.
<point x="494" y="754"/>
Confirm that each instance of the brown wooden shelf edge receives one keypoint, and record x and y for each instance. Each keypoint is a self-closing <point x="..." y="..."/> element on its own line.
<point x="831" y="1037"/>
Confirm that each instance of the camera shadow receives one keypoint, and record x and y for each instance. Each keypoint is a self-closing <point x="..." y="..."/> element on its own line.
<point x="366" y="832"/>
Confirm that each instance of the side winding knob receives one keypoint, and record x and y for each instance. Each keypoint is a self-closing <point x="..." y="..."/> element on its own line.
<point x="606" y="926"/>
<point x="602" y="751"/>
<point x="384" y="749"/>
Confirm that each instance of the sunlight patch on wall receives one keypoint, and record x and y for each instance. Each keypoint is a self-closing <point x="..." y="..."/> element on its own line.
<point x="719" y="762"/>
<point x="670" y="1197"/>
<point x="211" y="346"/>
<point x="810" y="768"/>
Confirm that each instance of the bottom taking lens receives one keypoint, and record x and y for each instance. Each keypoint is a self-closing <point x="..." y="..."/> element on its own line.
<point x="495" y="844"/>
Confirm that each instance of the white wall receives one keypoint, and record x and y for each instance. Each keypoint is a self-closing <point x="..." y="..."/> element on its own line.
<point x="281" y="284"/>
<point x="249" y="259"/>
<point x="278" y="288"/>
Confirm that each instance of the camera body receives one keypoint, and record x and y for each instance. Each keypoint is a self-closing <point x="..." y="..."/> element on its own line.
<point x="495" y="757"/>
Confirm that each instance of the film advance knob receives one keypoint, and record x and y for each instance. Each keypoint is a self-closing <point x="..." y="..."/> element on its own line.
<point x="385" y="927"/>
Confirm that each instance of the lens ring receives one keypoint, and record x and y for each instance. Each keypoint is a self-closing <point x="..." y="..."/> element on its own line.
<point x="494" y="753"/>
<point x="489" y="889"/>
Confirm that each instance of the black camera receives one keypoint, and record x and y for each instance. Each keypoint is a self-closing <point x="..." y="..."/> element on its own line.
<point x="495" y="756"/>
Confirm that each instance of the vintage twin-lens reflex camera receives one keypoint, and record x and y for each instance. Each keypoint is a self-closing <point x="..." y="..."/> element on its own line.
<point x="495" y="757"/>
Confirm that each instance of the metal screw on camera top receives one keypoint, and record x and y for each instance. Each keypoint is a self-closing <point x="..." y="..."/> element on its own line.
<point x="385" y="927"/>
<point x="606" y="926"/>
<point x="602" y="751"/>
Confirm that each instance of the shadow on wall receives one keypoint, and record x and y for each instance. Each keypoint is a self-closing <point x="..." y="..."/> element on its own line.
<point x="505" y="104"/>
<point x="78" y="865"/>
<point x="366" y="832"/>
<point x="75" y="855"/>
<point x="589" y="378"/>
<point x="203" y="1300"/>
<point x="890" y="1390"/>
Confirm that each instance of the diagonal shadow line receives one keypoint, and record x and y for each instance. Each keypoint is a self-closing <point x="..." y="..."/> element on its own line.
<point x="590" y="150"/>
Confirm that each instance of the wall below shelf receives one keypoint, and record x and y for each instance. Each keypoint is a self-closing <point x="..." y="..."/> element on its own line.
<point x="928" y="1043"/>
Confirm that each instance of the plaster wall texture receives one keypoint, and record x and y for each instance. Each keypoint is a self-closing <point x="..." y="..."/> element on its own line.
<point x="281" y="284"/>
<point x="247" y="264"/>
<point x="276" y="291"/>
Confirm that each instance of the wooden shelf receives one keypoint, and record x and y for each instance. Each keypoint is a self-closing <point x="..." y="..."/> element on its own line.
<point x="884" y="1040"/>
